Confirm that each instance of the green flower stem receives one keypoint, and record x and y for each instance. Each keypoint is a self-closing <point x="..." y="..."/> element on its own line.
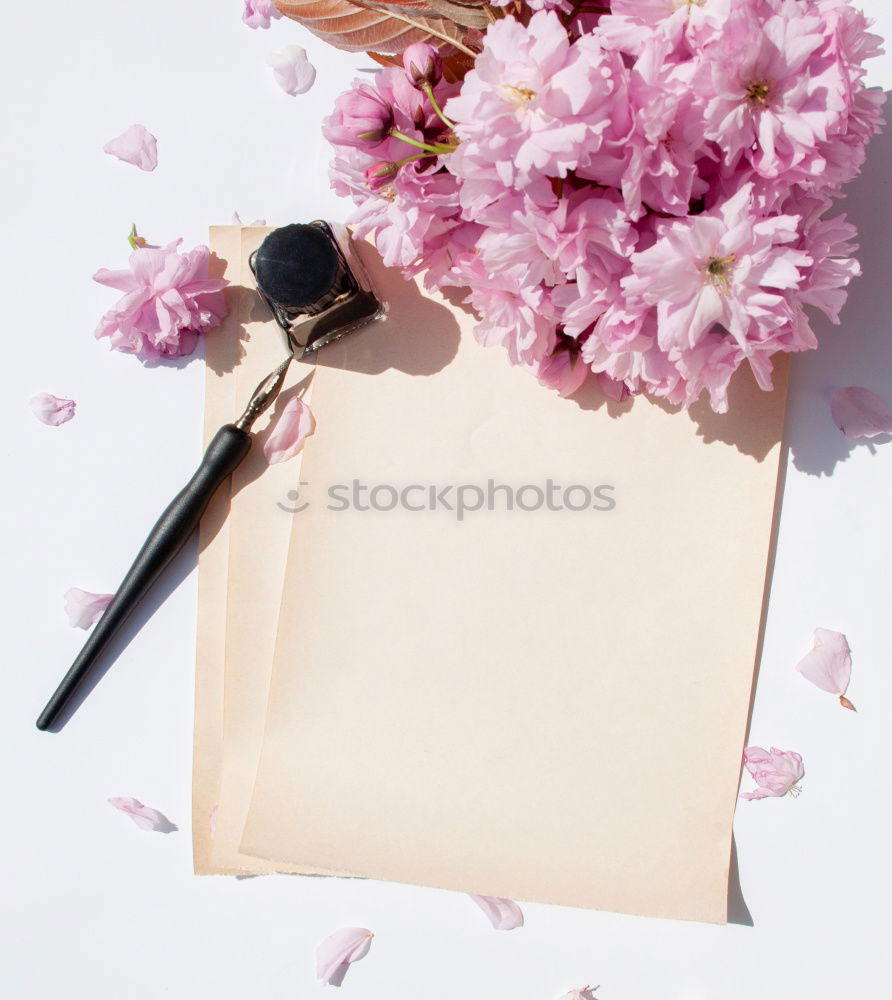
<point x="429" y="90"/>
<point x="411" y="159"/>
<point x="436" y="148"/>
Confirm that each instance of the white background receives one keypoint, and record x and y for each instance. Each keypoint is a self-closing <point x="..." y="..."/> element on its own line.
<point x="92" y="906"/>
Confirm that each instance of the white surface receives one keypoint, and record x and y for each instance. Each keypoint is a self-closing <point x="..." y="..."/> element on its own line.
<point x="92" y="906"/>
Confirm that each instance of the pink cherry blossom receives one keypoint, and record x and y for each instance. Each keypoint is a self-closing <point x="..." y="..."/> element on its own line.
<point x="168" y="302"/>
<point x="339" y="950"/>
<point x="647" y="192"/>
<point x="292" y="70"/>
<point x="259" y="13"/>
<point x="770" y="93"/>
<point x="52" y="410"/>
<point x="503" y="914"/>
<point x="144" y="817"/>
<point x="136" y="145"/>
<point x="528" y="107"/>
<point x="632" y="24"/>
<point x="293" y="426"/>
<point x="860" y="413"/>
<point x="83" y="608"/>
<point x="727" y="267"/>
<point x="829" y="664"/>
<point x="776" y="772"/>
<point x="564" y="369"/>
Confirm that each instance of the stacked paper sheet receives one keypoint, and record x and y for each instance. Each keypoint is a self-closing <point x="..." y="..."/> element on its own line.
<point x="403" y="675"/>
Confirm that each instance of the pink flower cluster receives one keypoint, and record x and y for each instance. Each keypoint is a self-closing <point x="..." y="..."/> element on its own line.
<point x="643" y="196"/>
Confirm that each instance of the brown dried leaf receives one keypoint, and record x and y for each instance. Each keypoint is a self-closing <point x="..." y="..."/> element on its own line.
<point x="361" y="27"/>
<point x="470" y="13"/>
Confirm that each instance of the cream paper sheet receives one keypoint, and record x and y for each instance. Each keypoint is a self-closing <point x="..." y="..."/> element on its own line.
<point x="544" y="705"/>
<point x="244" y="543"/>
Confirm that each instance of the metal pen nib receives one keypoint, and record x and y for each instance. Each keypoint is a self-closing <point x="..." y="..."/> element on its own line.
<point x="264" y="395"/>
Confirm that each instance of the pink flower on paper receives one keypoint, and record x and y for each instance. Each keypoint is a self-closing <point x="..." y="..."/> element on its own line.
<point x="137" y="146"/>
<point x="860" y="413"/>
<point x="259" y="13"/>
<point x="829" y="664"/>
<point x="145" y="817"/>
<point x="564" y="369"/>
<point x="727" y="268"/>
<point x="295" y="424"/>
<point x="293" y="71"/>
<point x="168" y="302"/>
<point x="776" y="772"/>
<point x="503" y="914"/>
<point x="83" y="608"/>
<point x="52" y="410"/>
<point x="530" y="104"/>
<point x="339" y="950"/>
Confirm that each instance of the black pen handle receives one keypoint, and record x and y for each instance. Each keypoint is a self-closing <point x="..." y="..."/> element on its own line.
<point x="173" y="529"/>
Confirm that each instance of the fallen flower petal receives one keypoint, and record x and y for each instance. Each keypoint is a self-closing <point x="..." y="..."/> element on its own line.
<point x="338" y="950"/>
<point x="145" y="817"/>
<point x="776" y="772"/>
<point x="293" y="71"/>
<point x="295" y="424"/>
<point x="829" y="664"/>
<point x="136" y="145"/>
<point x="237" y="221"/>
<point x="52" y="410"/>
<point x="259" y="13"/>
<point x="860" y="413"/>
<point x="503" y="914"/>
<point x="582" y="993"/>
<point x="83" y="608"/>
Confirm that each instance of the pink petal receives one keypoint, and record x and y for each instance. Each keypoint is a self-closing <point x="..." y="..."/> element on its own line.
<point x="504" y="914"/>
<point x="145" y="817"/>
<point x="338" y="950"/>
<point x="237" y="221"/>
<point x="295" y="424"/>
<point x="83" y="608"/>
<point x="776" y="772"/>
<point x="52" y="410"/>
<point x="860" y="413"/>
<point x="581" y="993"/>
<point x="137" y="146"/>
<point x="829" y="664"/>
<point x="612" y="388"/>
<point x="293" y="71"/>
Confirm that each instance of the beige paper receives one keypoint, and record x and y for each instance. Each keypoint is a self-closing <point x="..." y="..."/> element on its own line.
<point x="543" y="705"/>
<point x="221" y="355"/>
<point x="244" y="543"/>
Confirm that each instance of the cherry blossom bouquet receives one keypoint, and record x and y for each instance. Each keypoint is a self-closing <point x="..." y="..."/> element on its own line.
<point x="639" y="191"/>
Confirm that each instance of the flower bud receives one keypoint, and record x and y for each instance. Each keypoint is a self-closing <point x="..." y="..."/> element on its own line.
<point x="362" y="118"/>
<point x="380" y="174"/>
<point x="423" y="65"/>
